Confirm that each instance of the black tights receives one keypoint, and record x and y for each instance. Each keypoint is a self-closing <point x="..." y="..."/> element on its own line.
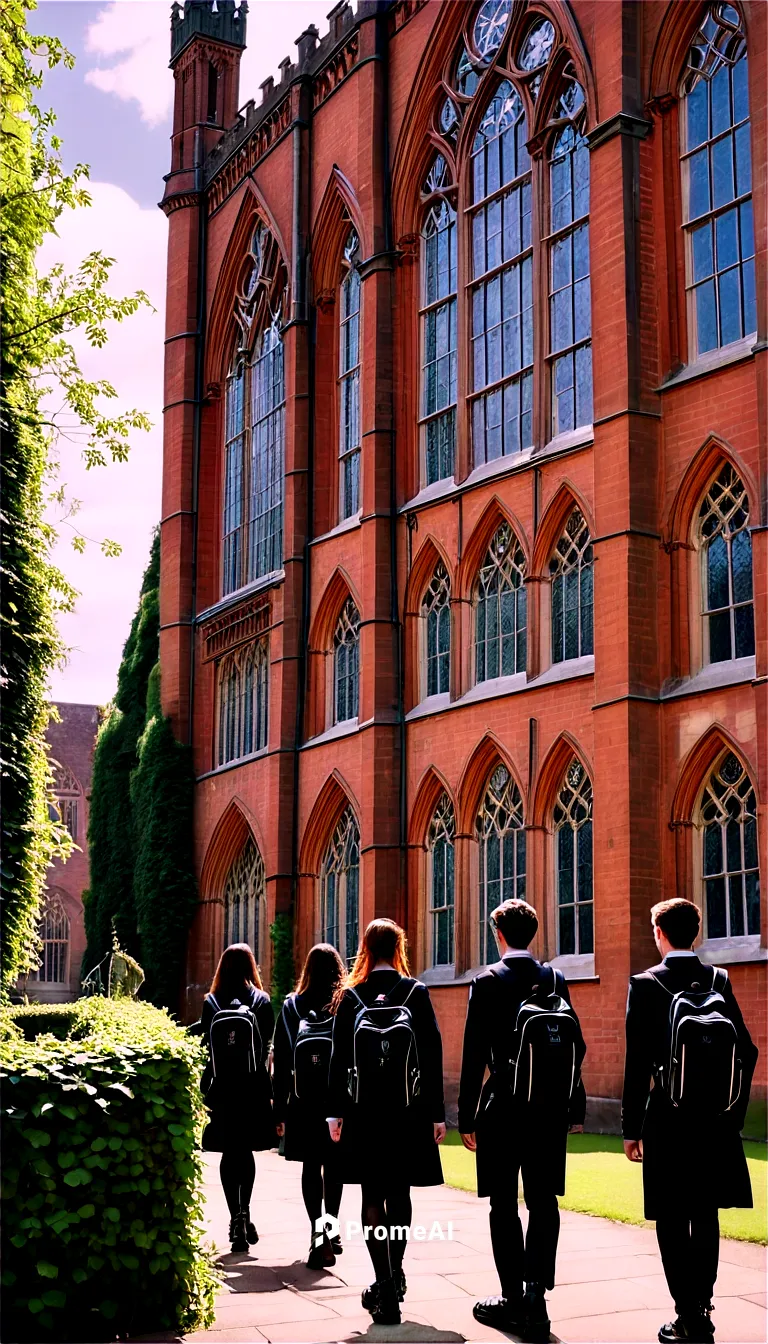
<point x="238" y="1172"/>
<point x="386" y="1208"/>
<point x="319" y="1188"/>
<point x="690" y="1250"/>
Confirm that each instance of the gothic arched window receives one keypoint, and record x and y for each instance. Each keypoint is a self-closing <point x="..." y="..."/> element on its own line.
<point x="64" y="807"/>
<point x="244" y="900"/>
<point x="501" y="836"/>
<point x="242" y="690"/>
<point x="265" y="527"/>
<point x="234" y="454"/>
<point x="349" y="381"/>
<point x="436" y="613"/>
<point x="717" y="182"/>
<point x="570" y="307"/>
<point x="728" y="815"/>
<point x="439" y="334"/>
<point x="442" y="829"/>
<point x="501" y="608"/>
<point x="573" y="837"/>
<point x="54" y="933"/>
<point x="572" y="597"/>
<point x="346" y="664"/>
<point x="729" y="618"/>
<point x="501" y="288"/>
<point x="339" y="888"/>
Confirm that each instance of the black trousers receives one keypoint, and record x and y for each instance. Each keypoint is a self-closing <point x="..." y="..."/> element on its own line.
<point x="690" y="1249"/>
<point x="529" y="1258"/>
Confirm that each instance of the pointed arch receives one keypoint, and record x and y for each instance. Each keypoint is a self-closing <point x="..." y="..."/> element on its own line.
<point x="338" y="588"/>
<point x="221" y="324"/>
<point x="339" y="210"/>
<point x="235" y="826"/>
<point x="675" y="34"/>
<point x="494" y="514"/>
<point x="697" y="767"/>
<point x="566" y="498"/>
<point x="569" y="61"/>
<point x="429" y="555"/>
<point x="703" y="467"/>
<point x="486" y="756"/>
<point x="430" y="789"/>
<point x="550" y="774"/>
<point x="331" y="802"/>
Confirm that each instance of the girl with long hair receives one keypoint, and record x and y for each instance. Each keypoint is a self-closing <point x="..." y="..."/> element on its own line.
<point x="238" y="1093"/>
<point x="386" y="1101"/>
<point x="303" y="1038"/>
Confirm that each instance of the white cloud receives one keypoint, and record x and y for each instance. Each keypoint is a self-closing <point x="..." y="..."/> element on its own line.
<point x="131" y="39"/>
<point x="122" y="500"/>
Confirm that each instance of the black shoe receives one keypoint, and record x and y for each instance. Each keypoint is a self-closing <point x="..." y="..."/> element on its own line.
<point x="337" y="1246"/>
<point x="401" y="1287"/>
<point x="250" y="1228"/>
<point x="502" y="1313"/>
<point x="322" y="1256"/>
<point x="692" y="1327"/>
<point x="368" y="1296"/>
<point x="238" y="1234"/>
<point x="536" y="1324"/>
<point x="386" y="1308"/>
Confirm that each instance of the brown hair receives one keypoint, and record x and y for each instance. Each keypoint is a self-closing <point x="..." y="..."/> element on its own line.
<point x="678" y="920"/>
<point x="322" y="973"/>
<point x="236" y="973"/>
<point x="516" y="921"/>
<point x="383" y="940"/>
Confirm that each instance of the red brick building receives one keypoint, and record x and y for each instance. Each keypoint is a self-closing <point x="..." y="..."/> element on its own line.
<point x="464" y="548"/>
<point x="62" y="929"/>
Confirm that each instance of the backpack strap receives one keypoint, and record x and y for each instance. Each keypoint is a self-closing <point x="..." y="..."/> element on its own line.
<point x="719" y="979"/>
<point x="547" y="971"/>
<point x="394" y="993"/>
<point x="212" y="999"/>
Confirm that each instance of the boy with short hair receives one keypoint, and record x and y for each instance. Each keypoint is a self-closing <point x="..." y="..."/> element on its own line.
<point x="505" y="1136"/>
<point x="693" y="1162"/>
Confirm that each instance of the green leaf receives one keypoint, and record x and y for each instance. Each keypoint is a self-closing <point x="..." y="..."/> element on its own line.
<point x="87" y="1210"/>
<point x="37" y="1137"/>
<point x="35" y="1305"/>
<point x="47" y="1270"/>
<point x="112" y="1214"/>
<point x="79" y="1275"/>
<point x="54" y="1298"/>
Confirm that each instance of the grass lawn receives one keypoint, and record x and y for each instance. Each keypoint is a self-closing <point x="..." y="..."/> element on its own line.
<point x="602" y="1182"/>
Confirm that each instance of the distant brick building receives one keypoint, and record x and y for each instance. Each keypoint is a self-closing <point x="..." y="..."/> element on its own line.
<point x="62" y="929"/>
<point x="464" y="548"/>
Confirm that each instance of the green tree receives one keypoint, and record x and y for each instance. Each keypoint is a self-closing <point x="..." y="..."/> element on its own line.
<point x="40" y="315"/>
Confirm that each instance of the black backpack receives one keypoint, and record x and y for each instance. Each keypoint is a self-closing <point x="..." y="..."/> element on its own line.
<point x="544" y="1065"/>
<point x="311" y="1054"/>
<point x="385" y="1069"/>
<point x="234" y="1040"/>
<point x="702" y="1069"/>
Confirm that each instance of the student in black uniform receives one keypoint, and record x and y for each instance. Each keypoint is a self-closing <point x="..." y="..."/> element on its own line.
<point x="300" y="1086"/>
<point x="692" y="1154"/>
<point x="239" y="1094"/>
<point x="507" y="1135"/>
<point x="386" y="1101"/>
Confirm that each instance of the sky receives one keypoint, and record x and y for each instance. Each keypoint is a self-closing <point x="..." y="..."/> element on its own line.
<point x="113" y="113"/>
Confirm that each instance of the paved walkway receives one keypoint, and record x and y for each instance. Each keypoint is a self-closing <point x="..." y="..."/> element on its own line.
<point x="610" y="1287"/>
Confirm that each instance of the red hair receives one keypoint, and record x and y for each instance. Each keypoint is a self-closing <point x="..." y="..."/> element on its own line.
<point x="383" y="940"/>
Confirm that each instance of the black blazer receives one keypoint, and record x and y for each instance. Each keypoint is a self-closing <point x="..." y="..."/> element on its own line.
<point x="491" y="1013"/>
<point x="647" y="1035"/>
<point x="428" y="1044"/>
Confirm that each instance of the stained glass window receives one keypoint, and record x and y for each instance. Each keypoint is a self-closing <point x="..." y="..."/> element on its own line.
<point x="439" y="336"/>
<point x="339" y="888"/>
<point x="244" y="900"/>
<point x="501" y="609"/>
<point x="490" y="25"/>
<point x="467" y="78"/>
<point x="501" y="292"/>
<point x="349" y="382"/>
<point x="570" y="306"/>
<point x="573" y="838"/>
<point x="572" y="599"/>
<point x="730" y="869"/>
<point x="243" y="685"/>
<point x="729" y="618"/>
<point x="441" y="883"/>
<point x="448" y="119"/>
<point x="234" y="462"/>
<point x="501" y="835"/>
<point x="265" y="537"/>
<point x="64" y="807"/>
<point x="537" y="46"/>
<point x="53" y="968"/>
<point x="346" y="663"/>
<point x="717" y="182"/>
<point x="436" y="612"/>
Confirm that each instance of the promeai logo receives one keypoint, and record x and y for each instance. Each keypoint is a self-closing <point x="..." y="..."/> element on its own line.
<point x="325" y="1226"/>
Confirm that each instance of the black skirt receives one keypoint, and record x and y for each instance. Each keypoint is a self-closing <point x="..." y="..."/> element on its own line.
<point x="307" y="1139"/>
<point x="241" y="1116"/>
<point x="393" y="1150"/>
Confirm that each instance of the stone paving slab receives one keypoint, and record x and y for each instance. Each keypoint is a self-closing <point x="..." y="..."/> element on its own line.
<point x="610" y="1286"/>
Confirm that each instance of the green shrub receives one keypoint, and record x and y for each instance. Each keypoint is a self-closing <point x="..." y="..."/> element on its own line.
<point x="102" y="1181"/>
<point x="281" y="933"/>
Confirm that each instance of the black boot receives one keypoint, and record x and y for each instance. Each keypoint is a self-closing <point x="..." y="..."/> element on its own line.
<point x="238" y="1234"/>
<point x="322" y="1256"/>
<point x="691" y="1326"/>
<point x="536" y="1323"/>
<point x="386" y="1309"/>
<point x="501" y="1313"/>
<point x="250" y="1228"/>
<point x="401" y="1287"/>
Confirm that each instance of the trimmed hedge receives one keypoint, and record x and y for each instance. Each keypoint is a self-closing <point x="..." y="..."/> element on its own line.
<point x="102" y="1180"/>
